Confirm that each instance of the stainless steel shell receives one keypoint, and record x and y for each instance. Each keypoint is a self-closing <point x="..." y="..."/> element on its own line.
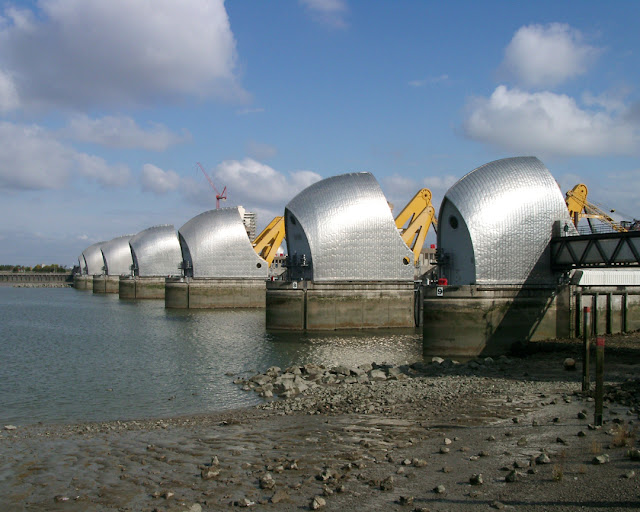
<point x="82" y="265"/>
<point x="342" y="229"/>
<point x="93" y="260"/>
<point x="496" y="222"/>
<point x="117" y="256"/>
<point x="156" y="251"/>
<point x="215" y="244"/>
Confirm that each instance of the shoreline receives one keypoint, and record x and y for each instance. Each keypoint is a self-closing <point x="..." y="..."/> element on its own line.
<point x="439" y="427"/>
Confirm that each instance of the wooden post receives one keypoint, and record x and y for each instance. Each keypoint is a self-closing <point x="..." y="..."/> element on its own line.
<point x="597" y="420"/>
<point x="585" y="350"/>
<point x="625" y="300"/>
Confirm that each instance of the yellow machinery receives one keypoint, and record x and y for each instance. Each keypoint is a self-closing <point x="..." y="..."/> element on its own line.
<point x="266" y="243"/>
<point x="414" y="221"/>
<point x="580" y="208"/>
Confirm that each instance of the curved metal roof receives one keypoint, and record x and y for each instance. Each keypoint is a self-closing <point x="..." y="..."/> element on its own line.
<point x="156" y="251"/>
<point x="117" y="256"/>
<point x="342" y="229"/>
<point x="215" y="244"/>
<point x="496" y="222"/>
<point x="93" y="259"/>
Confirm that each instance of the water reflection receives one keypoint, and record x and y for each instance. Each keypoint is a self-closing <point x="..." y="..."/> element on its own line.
<point x="72" y="356"/>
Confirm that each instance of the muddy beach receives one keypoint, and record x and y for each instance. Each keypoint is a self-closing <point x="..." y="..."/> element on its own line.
<point x="514" y="433"/>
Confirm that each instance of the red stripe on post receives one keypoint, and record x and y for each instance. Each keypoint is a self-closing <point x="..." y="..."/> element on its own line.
<point x="587" y="309"/>
<point x="600" y="342"/>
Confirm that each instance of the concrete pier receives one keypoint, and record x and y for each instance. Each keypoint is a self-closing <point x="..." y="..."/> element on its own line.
<point x="213" y="293"/>
<point x="308" y="305"/>
<point x="468" y="321"/>
<point x="106" y="284"/>
<point x="83" y="282"/>
<point x="141" y="287"/>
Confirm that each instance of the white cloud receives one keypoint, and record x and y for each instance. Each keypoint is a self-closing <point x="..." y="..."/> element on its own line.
<point x="31" y="158"/>
<point x="328" y="12"/>
<point x="122" y="132"/>
<point x="154" y="179"/>
<point x="8" y="94"/>
<point x="547" y="55"/>
<point x="250" y="182"/>
<point x="97" y="169"/>
<point x="75" y="53"/>
<point x="548" y="124"/>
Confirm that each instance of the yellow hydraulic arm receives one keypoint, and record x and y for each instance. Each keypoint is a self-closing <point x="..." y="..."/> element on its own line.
<point x="580" y="208"/>
<point x="266" y="243"/>
<point x="414" y="221"/>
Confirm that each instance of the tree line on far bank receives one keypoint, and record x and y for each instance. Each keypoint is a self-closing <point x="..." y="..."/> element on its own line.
<point x="38" y="268"/>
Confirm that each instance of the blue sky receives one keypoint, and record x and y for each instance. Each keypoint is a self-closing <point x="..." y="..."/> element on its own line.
<point x="106" y="106"/>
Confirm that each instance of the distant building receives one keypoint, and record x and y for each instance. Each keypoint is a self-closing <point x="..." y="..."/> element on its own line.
<point x="250" y="219"/>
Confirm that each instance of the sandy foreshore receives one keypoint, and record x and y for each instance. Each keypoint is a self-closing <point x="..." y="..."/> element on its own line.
<point x="512" y="433"/>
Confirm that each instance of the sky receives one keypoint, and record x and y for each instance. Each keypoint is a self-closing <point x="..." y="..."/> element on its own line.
<point x="107" y="106"/>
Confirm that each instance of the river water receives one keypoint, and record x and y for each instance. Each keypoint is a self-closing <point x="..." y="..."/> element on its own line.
<point x="69" y="356"/>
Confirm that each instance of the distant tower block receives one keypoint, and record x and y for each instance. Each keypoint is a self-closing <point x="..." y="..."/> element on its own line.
<point x="250" y="220"/>
<point x="221" y="269"/>
<point x="495" y="225"/>
<point x="347" y="264"/>
<point x="117" y="258"/>
<point x="156" y="256"/>
<point x="91" y="263"/>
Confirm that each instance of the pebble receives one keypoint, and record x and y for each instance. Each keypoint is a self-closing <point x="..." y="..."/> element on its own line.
<point x="630" y="474"/>
<point x="444" y="449"/>
<point x="406" y="500"/>
<point x="513" y="476"/>
<point x="439" y="489"/>
<point x="543" y="458"/>
<point x="387" y="484"/>
<point x="10" y="427"/>
<point x="600" y="459"/>
<point x="476" y="479"/>
<point x="317" y="502"/>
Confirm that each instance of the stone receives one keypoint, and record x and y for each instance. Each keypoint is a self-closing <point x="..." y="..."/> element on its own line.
<point x="634" y="454"/>
<point x="437" y="360"/>
<point x="512" y="476"/>
<point x="629" y="474"/>
<point x="543" y="458"/>
<point x="569" y="364"/>
<point x="209" y="473"/>
<point x="522" y="441"/>
<point x="244" y="503"/>
<point x="317" y="502"/>
<point x="267" y="481"/>
<point x="405" y="500"/>
<point x="476" y="479"/>
<point x="418" y="463"/>
<point x="10" y="427"/>
<point x="447" y="441"/>
<point x="439" y="489"/>
<point x="582" y="416"/>
<point x="582" y="433"/>
<point x="498" y="505"/>
<point x="377" y="375"/>
<point x="444" y="449"/>
<point x="600" y="459"/>
<point x="387" y="484"/>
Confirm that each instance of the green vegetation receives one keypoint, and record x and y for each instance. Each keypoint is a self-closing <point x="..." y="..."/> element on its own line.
<point x="38" y="268"/>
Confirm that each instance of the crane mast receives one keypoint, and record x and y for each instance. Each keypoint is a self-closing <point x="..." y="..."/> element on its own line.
<point x="414" y="221"/>
<point x="580" y="208"/>
<point x="219" y="195"/>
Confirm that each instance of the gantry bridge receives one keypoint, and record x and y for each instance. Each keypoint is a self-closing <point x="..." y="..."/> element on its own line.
<point x="597" y="250"/>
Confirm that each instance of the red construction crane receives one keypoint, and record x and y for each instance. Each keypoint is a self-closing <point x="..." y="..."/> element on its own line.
<point x="219" y="196"/>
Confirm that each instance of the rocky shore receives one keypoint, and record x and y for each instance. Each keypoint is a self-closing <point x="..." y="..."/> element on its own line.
<point x="512" y="433"/>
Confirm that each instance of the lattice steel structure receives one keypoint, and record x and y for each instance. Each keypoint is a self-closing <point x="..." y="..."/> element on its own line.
<point x="600" y="250"/>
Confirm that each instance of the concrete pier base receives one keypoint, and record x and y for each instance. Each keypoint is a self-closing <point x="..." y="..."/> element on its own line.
<point x="141" y="287"/>
<point x="213" y="293"/>
<point x="106" y="284"/>
<point x="306" y="305"/>
<point x="468" y="321"/>
<point x="83" y="282"/>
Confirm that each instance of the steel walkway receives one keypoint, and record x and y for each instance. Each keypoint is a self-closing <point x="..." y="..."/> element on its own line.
<point x="599" y="250"/>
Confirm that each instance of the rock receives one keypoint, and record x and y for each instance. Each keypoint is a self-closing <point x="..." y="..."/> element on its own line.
<point x="543" y="458"/>
<point x="244" y="503"/>
<point x="560" y="440"/>
<point x="582" y="433"/>
<point x="476" y="479"/>
<point x="569" y="364"/>
<point x="600" y="459"/>
<point x="10" y="427"/>
<point x="317" y="502"/>
<point x="387" y="484"/>
<point x="447" y="441"/>
<point x="444" y="449"/>
<point x="377" y="375"/>
<point x="634" y="454"/>
<point x="582" y="416"/>
<point x="513" y="476"/>
<point x="629" y="474"/>
<point x="60" y="498"/>
<point x="209" y="473"/>
<point x="418" y="463"/>
<point x="267" y="482"/>
<point x="196" y="507"/>
<point x="405" y="500"/>
<point x="498" y="505"/>
<point x="439" y="489"/>
<point x="167" y="495"/>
